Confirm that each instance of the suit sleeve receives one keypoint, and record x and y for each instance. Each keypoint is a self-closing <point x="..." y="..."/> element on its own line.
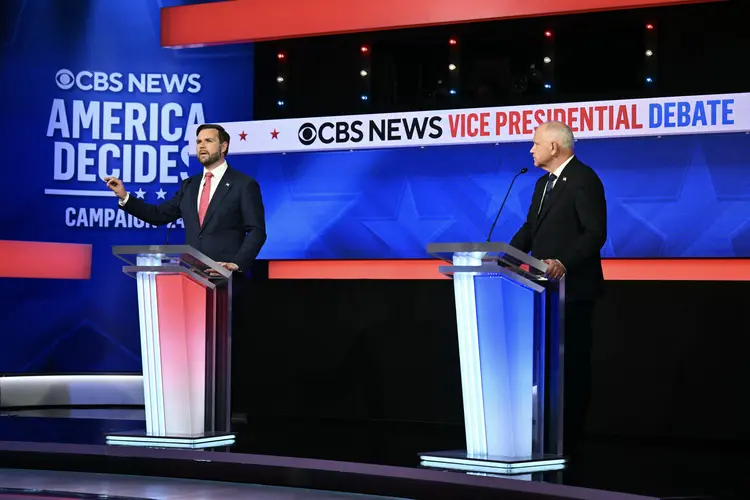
<point x="157" y="215"/>
<point x="591" y="209"/>
<point x="254" y="221"/>
<point x="522" y="239"/>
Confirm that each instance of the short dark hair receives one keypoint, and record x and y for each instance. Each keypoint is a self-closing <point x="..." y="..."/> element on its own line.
<point x="223" y="135"/>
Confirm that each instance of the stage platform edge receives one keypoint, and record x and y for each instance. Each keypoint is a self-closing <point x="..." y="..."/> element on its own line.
<point x="403" y="482"/>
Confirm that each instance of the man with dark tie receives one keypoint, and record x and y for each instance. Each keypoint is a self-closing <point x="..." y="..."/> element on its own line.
<point x="221" y="208"/>
<point x="566" y="227"/>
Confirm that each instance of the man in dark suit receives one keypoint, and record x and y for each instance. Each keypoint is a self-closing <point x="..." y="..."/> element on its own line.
<point x="221" y="208"/>
<point x="566" y="227"/>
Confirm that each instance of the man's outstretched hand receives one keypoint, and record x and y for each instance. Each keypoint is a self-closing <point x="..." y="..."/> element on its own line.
<point x="117" y="186"/>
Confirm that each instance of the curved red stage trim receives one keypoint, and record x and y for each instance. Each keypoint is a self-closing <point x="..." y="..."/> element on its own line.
<point x="239" y="21"/>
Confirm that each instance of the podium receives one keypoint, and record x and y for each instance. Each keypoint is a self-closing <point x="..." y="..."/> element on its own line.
<point x="185" y="330"/>
<point x="511" y="340"/>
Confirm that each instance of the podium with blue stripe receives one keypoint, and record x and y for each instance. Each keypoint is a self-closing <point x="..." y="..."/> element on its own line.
<point x="510" y="341"/>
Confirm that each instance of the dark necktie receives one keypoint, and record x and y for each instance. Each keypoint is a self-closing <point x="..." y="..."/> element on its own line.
<point x="550" y="181"/>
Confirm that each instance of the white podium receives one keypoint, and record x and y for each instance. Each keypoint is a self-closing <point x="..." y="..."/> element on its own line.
<point x="185" y="328"/>
<point x="510" y="339"/>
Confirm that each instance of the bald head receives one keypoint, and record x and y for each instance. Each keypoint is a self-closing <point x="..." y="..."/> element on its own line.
<point x="553" y="144"/>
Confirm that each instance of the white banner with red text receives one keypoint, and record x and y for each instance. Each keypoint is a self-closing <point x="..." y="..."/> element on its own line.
<point x="589" y="120"/>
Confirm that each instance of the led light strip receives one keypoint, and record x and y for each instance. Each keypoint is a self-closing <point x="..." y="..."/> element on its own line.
<point x="150" y="439"/>
<point x="492" y="467"/>
<point x="468" y="348"/>
<point x="150" y="443"/>
<point x="151" y="355"/>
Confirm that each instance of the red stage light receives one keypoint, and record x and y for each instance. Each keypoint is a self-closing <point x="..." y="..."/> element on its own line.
<point x="649" y="26"/>
<point x="453" y="41"/>
<point x="280" y="55"/>
<point x="364" y="49"/>
<point x="548" y="34"/>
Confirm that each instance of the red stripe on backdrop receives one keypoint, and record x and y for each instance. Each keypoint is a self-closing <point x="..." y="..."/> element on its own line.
<point x="356" y="269"/>
<point x="36" y="259"/>
<point x="614" y="269"/>
<point x="238" y="21"/>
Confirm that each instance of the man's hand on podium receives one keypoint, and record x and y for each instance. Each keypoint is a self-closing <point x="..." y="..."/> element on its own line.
<point x="555" y="270"/>
<point x="117" y="186"/>
<point x="229" y="266"/>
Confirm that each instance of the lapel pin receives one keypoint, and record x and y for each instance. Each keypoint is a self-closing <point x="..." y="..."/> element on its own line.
<point x="227" y="184"/>
<point x="565" y="179"/>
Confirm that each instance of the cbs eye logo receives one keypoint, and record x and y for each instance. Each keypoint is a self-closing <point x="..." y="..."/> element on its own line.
<point x="65" y="79"/>
<point x="307" y="134"/>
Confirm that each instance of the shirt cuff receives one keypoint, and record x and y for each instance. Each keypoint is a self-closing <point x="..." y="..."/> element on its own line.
<point x="123" y="202"/>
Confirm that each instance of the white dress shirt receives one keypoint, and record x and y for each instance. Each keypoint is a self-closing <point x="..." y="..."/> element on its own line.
<point x="218" y="174"/>
<point x="557" y="173"/>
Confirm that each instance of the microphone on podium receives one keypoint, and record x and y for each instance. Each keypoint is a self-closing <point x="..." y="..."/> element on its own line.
<point x="522" y="171"/>
<point x="169" y="228"/>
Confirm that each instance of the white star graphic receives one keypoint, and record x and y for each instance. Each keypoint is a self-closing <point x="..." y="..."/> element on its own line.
<point x="140" y="193"/>
<point x="160" y="194"/>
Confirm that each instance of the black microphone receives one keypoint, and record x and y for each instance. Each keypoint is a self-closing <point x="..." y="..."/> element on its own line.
<point x="169" y="225"/>
<point x="523" y="171"/>
<point x="169" y="228"/>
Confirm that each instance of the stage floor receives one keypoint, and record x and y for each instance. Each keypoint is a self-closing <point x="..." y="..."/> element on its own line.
<point x="30" y="485"/>
<point x="657" y="470"/>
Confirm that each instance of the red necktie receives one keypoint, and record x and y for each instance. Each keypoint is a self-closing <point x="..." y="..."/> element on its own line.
<point x="205" y="198"/>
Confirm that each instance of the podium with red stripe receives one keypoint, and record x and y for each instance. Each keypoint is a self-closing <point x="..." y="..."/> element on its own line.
<point x="184" y="308"/>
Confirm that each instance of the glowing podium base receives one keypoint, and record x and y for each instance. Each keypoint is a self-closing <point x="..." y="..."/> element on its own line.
<point x="185" y="326"/>
<point x="510" y="340"/>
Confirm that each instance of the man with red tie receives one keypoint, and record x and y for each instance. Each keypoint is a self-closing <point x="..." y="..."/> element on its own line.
<point x="221" y="208"/>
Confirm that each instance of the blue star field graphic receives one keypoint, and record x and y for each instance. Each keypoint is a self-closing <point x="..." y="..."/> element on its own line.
<point x="696" y="221"/>
<point x="407" y="232"/>
<point x="666" y="197"/>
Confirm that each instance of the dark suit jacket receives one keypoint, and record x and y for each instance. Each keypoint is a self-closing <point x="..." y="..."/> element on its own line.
<point x="234" y="229"/>
<point x="572" y="228"/>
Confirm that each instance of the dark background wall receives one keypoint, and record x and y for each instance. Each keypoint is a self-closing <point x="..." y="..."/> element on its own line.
<point x="698" y="49"/>
<point x="669" y="357"/>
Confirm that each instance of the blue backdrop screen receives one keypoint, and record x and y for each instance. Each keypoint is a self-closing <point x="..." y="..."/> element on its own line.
<point x="88" y="91"/>
<point x="671" y="197"/>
